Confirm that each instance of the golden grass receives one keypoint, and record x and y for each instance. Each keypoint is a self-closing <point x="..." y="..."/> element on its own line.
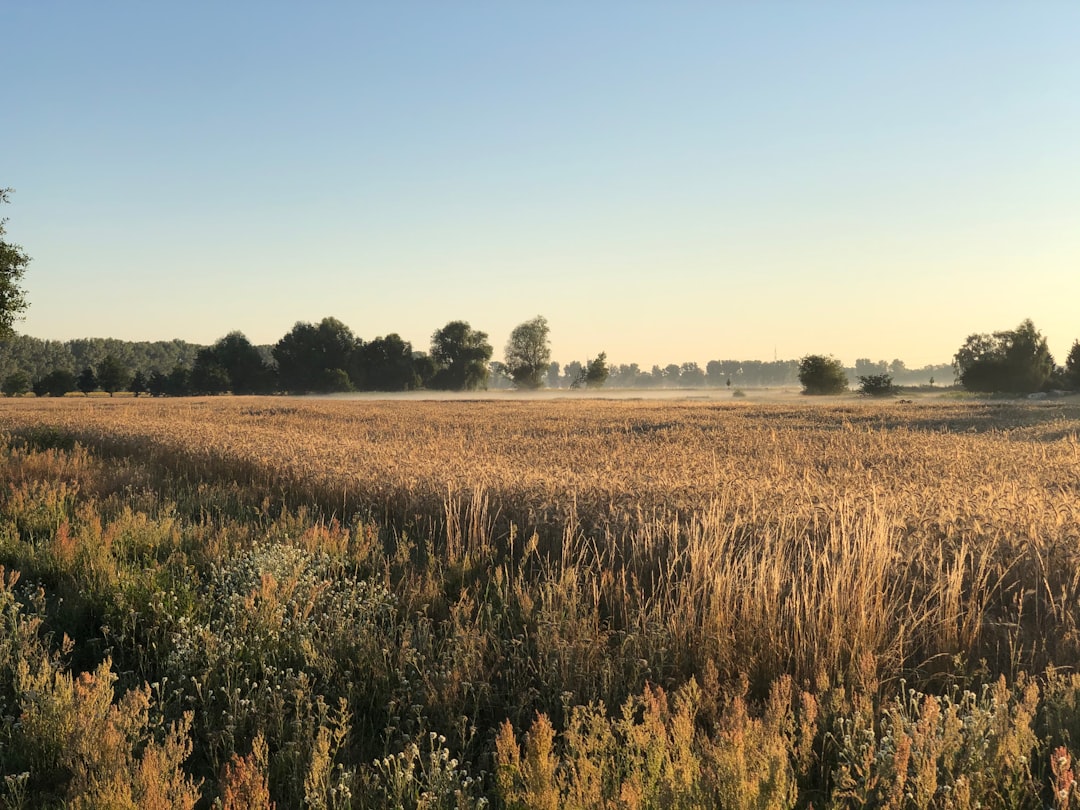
<point x="770" y="539"/>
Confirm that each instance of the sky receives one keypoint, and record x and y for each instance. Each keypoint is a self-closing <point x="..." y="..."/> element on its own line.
<point x="663" y="181"/>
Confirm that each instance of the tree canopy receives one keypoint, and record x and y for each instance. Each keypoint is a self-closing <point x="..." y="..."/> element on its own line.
<point x="528" y="353"/>
<point x="13" y="264"/>
<point x="822" y="375"/>
<point x="1016" y="361"/>
<point x="1072" y="366"/>
<point x="316" y="357"/>
<point x="460" y="354"/>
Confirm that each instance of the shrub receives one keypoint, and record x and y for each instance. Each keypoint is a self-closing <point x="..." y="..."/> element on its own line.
<point x="877" y="385"/>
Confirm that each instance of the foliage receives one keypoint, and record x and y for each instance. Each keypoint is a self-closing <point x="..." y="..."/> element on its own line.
<point x="528" y="353"/>
<point x="596" y="371"/>
<point x="822" y="375"/>
<point x="232" y="364"/>
<point x="877" y="385"/>
<point x="13" y="264"/>
<point x="87" y="380"/>
<point x="461" y="355"/>
<point x="40" y="357"/>
<point x="310" y="356"/>
<point x="16" y="384"/>
<point x="1015" y="361"/>
<point x="113" y="375"/>
<point x="55" y="384"/>
<point x="138" y="383"/>
<point x="388" y="365"/>
<point x="1072" y="366"/>
<point x="593" y="374"/>
<point x="208" y="376"/>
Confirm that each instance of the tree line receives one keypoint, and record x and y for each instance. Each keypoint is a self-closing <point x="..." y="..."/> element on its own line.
<point x="1011" y="361"/>
<point x="327" y="357"/>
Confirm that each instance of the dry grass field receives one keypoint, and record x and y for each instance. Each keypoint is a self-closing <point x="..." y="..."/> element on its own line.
<point x="599" y="602"/>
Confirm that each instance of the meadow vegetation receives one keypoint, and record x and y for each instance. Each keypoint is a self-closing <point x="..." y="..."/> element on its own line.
<point x="255" y="602"/>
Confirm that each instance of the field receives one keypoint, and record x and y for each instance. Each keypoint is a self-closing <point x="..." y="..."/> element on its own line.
<point x="551" y="603"/>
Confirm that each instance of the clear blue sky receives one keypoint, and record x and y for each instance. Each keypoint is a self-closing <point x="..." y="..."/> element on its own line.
<point x="664" y="181"/>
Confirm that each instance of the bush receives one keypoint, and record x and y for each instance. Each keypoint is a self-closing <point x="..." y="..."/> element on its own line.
<point x="877" y="385"/>
<point x="822" y="375"/>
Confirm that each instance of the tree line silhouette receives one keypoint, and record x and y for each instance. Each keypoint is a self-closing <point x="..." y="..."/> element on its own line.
<point x="327" y="357"/>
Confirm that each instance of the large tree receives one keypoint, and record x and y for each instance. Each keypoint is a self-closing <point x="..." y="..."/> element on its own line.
<point x="113" y="375"/>
<point x="1016" y="361"/>
<point x="388" y="364"/>
<point x="822" y="375"/>
<point x="318" y="358"/>
<point x="245" y="370"/>
<point x="461" y="356"/>
<point x="528" y="353"/>
<point x="13" y="263"/>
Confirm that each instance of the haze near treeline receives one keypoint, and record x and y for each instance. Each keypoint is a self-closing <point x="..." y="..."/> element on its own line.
<point x="671" y="183"/>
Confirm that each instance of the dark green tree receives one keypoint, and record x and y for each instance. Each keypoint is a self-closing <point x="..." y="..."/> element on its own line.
<point x="158" y="384"/>
<point x="461" y="356"/>
<point x="528" y="353"/>
<point x="87" y="380"/>
<point x="1072" y="366"/>
<point x="208" y="376"/>
<point x="596" y="371"/>
<point x="1015" y="361"/>
<point x="113" y="375"/>
<point x="16" y="384"/>
<point x="13" y="264"/>
<point x="425" y="369"/>
<point x="138" y="383"/>
<point x="309" y="354"/>
<point x="822" y="375"/>
<point x="56" y="383"/>
<point x="388" y="364"/>
<point x="245" y="370"/>
<point x="178" y="382"/>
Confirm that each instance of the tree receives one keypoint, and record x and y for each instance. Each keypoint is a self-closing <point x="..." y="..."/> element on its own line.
<point x="113" y="375"/>
<point x="178" y="383"/>
<point x="13" y="264"/>
<point x="528" y="353"/>
<point x="574" y="373"/>
<point x="461" y="356"/>
<point x="139" y="383"/>
<point x="309" y="354"/>
<point x="16" y="384"/>
<point x="1072" y="366"/>
<point x="388" y="364"/>
<point x="56" y="383"/>
<point x="691" y="375"/>
<point x="158" y="384"/>
<point x="245" y="370"/>
<point x="87" y="381"/>
<point x="596" y="371"/>
<point x="553" y="378"/>
<point x="208" y="375"/>
<point x="822" y="375"/>
<point x="1016" y="360"/>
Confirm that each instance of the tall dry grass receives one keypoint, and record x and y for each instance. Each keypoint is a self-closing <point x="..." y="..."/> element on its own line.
<point x="571" y="558"/>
